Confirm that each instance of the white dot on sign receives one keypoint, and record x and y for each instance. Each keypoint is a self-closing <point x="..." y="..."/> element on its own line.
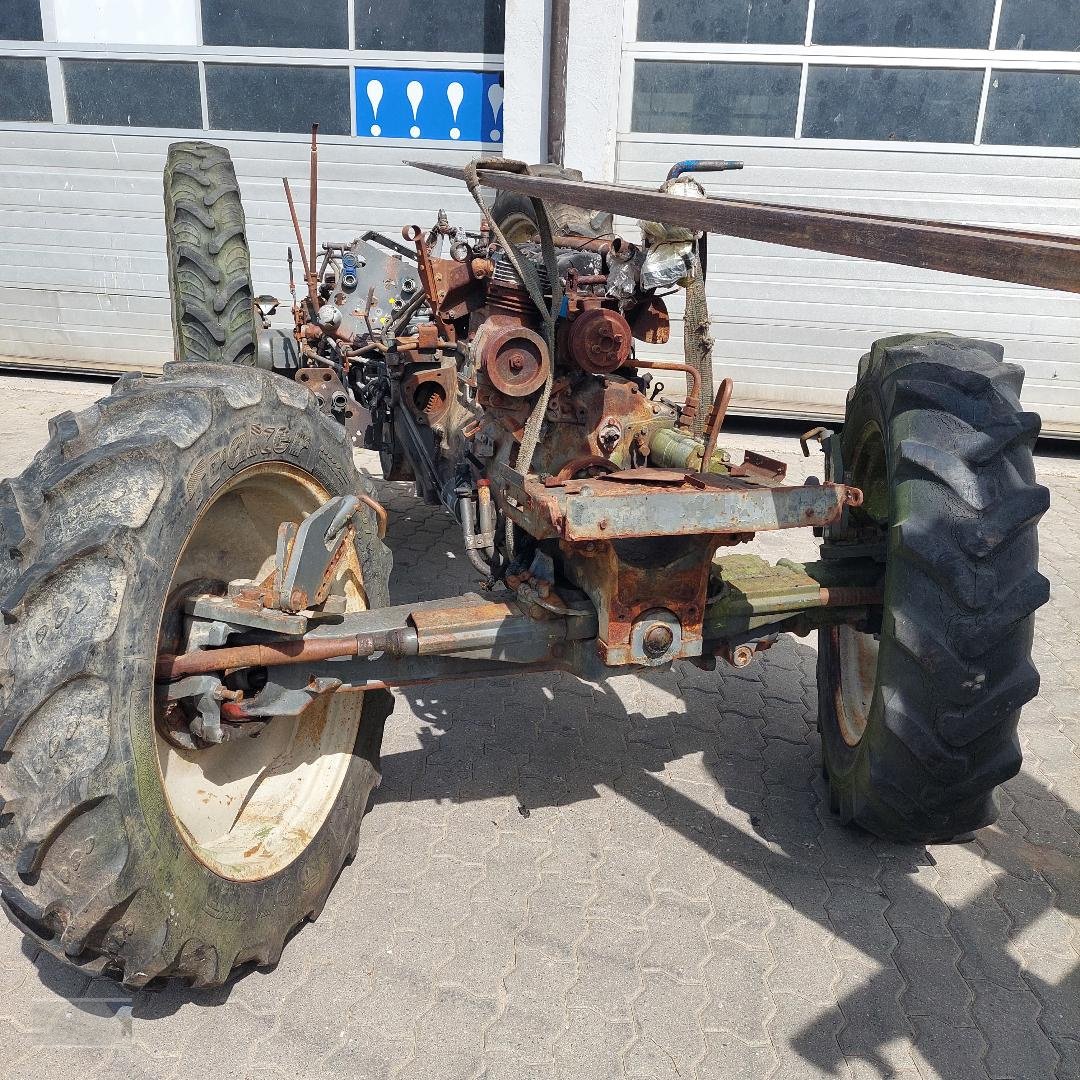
<point x="375" y="129"/>
<point x="496" y="134"/>
<point x="455" y="133"/>
<point x="414" y="131"/>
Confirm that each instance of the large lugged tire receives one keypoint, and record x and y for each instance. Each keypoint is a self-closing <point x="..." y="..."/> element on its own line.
<point x="213" y="310"/>
<point x="919" y="723"/>
<point x="515" y="215"/>
<point x="115" y="847"/>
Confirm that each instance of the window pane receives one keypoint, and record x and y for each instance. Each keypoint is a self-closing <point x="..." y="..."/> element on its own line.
<point x="132" y="93"/>
<point x="715" y="99"/>
<point x="906" y="104"/>
<point x="917" y="24"/>
<point x="265" y="97"/>
<point x="277" y="24"/>
<point x="20" y="20"/>
<point x="768" y="22"/>
<point x="471" y="26"/>
<point x="1033" y="108"/>
<point x="24" y="90"/>
<point x="1053" y="25"/>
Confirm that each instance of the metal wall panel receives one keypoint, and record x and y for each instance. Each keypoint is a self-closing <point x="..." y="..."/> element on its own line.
<point x="82" y="241"/>
<point x="790" y="325"/>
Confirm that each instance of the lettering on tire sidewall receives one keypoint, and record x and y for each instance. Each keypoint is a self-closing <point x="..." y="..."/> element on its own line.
<point x="255" y="442"/>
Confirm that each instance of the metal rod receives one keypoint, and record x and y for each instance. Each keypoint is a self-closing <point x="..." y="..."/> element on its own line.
<point x="299" y="237"/>
<point x="716" y="421"/>
<point x="559" y="38"/>
<point x="313" y="211"/>
<point x="1044" y="260"/>
<point x="306" y="650"/>
<point x="693" y="389"/>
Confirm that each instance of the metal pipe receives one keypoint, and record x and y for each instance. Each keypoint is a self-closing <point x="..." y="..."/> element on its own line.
<point x="313" y="212"/>
<point x="852" y="596"/>
<point x="693" y="389"/>
<point x="299" y="237"/>
<point x="558" y="38"/>
<point x="487" y="516"/>
<point x="466" y="509"/>
<point x="397" y="642"/>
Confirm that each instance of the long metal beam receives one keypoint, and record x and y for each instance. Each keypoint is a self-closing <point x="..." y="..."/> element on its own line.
<point x="1044" y="260"/>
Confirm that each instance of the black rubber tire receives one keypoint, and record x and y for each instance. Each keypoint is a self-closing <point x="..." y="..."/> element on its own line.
<point x="962" y="583"/>
<point x="92" y="864"/>
<point x="565" y="220"/>
<point x="213" y="309"/>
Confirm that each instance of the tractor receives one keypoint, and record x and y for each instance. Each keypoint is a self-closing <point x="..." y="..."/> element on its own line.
<point x="198" y="651"/>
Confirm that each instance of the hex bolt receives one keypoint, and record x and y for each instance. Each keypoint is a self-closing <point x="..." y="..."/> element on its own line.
<point x="658" y="639"/>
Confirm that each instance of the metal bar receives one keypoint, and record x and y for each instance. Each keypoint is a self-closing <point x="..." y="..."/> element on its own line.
<point x="559" y="36"/>
<point x="313" y="210"/>
<point x="1044" y="260"/>
<point x="716" y="421"/>
<point x="299" y="237"/>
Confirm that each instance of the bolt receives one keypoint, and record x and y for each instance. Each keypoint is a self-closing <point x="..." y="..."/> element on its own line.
<point x="742" y="656"/>
<point x="658" y="639"/>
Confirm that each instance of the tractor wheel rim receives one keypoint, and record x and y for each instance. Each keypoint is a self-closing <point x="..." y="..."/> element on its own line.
<point x="858" y="663"/>
<point x="248" y="807"/>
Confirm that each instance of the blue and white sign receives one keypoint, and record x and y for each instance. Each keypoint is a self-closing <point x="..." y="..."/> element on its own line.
<point x="420" y="103"/>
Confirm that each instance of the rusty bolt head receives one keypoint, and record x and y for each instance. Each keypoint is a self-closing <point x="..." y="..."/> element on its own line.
<point x="658" y="639"/>
<point x="742" y="656"/>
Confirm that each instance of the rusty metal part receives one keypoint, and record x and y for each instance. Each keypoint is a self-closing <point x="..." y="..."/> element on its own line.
<point x="313" y="211"/>
<point x="1045" y="260"/>
<point x="428" y="392"/>
<point x="599" y="341"/>
<point x="306" y="650"/>
<point x="377" y="508"/>
<point x="309" y="280"/>
<point x="852" y="596"/>
<point x="739" y="656"/>
<point x="571" y="469"/>
<point x="514" y="358"/>
<point x="615" y="507"/>
<point x="693" y="386"/>
<point x="334" y="400"/>
<point x="715" y="419"/>
<point x="650" y="322"/>
<point x="755" y="466"/>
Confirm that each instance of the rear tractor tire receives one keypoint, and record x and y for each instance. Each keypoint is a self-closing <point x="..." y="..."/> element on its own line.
<point x="919" y="722"/>
<point x="213" y="303"/>
<point x="121" y="852"/>
<point x="514" y="213"/>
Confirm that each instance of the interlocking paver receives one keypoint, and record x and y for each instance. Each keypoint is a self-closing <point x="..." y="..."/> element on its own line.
<point x="678" y="900"/>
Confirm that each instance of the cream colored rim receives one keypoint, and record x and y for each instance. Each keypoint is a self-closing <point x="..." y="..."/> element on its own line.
<point x="248" y="807"/>
<point x="857" y="655"/>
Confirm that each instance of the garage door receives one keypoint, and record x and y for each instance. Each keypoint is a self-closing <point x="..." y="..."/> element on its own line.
<point x="92" y="94"/>
<point x="920" y="108"/>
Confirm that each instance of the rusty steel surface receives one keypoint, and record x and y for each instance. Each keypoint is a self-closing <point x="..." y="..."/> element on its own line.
<point x="715" y="419"/>
<point x="1045" y="260"/>
<point x="203" y="661"/>
<point x="618" y="507"/>
<point x="693" y="386"/>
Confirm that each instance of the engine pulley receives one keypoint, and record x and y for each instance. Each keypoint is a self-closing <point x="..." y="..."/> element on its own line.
<point x="514" y="358"/>
<point x="599" y="341"/>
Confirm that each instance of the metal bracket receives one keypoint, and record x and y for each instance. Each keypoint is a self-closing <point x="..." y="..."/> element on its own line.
<point x="308" y="554"/>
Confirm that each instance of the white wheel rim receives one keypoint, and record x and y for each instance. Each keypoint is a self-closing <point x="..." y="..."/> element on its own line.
<point x="248" y="807"/>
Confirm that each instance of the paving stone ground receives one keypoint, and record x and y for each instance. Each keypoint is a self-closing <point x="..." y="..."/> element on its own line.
<point x="638" y="879"/>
